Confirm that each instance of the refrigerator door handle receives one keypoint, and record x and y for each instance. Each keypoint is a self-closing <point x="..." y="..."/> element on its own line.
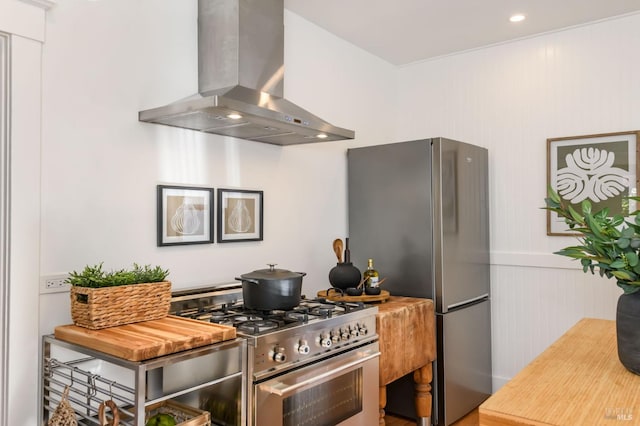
<point x="468" y="301"/>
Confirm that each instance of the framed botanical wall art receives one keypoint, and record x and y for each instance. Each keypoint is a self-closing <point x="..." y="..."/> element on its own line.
<point x="240" y="215"/>
<point x="185" y="215"/>
<point x="601" y="168"/>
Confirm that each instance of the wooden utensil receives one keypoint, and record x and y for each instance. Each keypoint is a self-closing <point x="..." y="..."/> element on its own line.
<point x="337" y="248"/>
<point x="364" y="279"/>
<point x="114" y="412"/>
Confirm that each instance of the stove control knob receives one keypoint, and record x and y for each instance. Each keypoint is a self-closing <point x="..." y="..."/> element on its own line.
<point x="363" y="329"/>
<point x="344" y="333"/>
<point x="354" y="332"/>
<point x="303" y="347"/>
<point x="335" y="337"/>
<point x="279" y="355"/>
<point x="325" y="340"/>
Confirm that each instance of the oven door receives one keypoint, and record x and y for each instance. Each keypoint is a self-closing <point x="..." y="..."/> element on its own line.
<point x="341" y="390"/>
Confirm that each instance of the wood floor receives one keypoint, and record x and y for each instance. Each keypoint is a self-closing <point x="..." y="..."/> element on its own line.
<point x="470" y="419"/>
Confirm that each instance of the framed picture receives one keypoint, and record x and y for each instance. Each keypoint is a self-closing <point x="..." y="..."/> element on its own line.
<point x="185" y="215"/>
<point x="600" y="168"/>
<point x="239" y="215"/>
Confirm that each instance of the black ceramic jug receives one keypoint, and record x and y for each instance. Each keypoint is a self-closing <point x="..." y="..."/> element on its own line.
<point x="344" y="275"/>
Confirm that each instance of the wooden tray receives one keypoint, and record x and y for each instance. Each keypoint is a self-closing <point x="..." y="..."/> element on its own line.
<point x="335" y="296"/>
<point x="147" y="339"/>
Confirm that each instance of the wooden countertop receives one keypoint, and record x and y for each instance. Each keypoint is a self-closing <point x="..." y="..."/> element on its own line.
<point x="578" y="380"/>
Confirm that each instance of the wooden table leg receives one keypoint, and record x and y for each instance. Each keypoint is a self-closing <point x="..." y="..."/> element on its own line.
<point x="383" y="403"/>
<point x="422" y="378"/>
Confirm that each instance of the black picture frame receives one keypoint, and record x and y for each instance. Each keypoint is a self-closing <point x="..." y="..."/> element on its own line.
<point x="184" y="215"/>
<point x="240" y="215"/>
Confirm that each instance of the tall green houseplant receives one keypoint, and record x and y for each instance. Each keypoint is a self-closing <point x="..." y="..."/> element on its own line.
<point x="609" y="244"/>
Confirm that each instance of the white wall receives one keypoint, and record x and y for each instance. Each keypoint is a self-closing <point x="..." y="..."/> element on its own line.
<point x="25" y="25"/>
<point x="510" y="98"/>
<point x="105" y="61"/>
<point x="25" y="227"/>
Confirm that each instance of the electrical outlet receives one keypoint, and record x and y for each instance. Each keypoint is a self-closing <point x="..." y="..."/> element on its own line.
<point x="54" y="284"/>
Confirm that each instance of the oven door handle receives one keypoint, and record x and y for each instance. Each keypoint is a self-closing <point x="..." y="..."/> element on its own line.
<point x="274" y="389"/>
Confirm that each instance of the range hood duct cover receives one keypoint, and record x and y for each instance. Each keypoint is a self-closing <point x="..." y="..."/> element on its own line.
<point x="241" y="73"/>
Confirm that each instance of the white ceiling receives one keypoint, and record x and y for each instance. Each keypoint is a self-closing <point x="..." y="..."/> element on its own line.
<point x="405" y="31"/>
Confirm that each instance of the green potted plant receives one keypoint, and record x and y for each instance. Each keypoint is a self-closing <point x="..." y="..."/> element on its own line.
<point x="609" y="245"/>
<point x="101" y="299"/>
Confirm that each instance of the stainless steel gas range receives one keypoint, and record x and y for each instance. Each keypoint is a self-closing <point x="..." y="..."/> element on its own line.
<point x="314" y="365"/>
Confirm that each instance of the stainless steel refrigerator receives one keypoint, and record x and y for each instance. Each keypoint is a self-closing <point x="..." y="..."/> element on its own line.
<point x="420" y="210"/>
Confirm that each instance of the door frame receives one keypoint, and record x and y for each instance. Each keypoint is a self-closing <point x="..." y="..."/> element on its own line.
<point x="5" y="220"/>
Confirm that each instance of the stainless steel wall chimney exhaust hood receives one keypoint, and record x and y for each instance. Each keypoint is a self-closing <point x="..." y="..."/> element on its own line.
<point x="240" y="79"/>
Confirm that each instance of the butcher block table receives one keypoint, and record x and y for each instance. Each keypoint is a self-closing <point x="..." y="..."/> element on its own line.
<point x="406" y="327"/>
<point x="148" y="339"/>
<point x="578" y="380"/>
<point x="149" y="363"/>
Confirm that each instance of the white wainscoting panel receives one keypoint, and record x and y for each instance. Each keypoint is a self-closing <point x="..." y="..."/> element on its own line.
<point x="533" y="306"/>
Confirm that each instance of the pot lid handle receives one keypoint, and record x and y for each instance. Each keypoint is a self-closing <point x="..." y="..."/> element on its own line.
<point x="249" y="280"/>
<point x="271" y="266"/>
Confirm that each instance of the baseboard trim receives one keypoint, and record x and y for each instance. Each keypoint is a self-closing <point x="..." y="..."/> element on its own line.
<point x="498" y="382"/>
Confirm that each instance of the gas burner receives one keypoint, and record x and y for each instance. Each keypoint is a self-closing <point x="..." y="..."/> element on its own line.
<point x="346" y="306"/>
<point x="352" y="306"/>
<point x="257" y="326"/>
<point x="233" y="318"/>
<point x="222" y="321"/>
<point x="301" y="315"/>
<point x="240" y="318"/>
<point x="322" y="310"/>
<point x="202" y="316"/>
<point x="218" y="316"/>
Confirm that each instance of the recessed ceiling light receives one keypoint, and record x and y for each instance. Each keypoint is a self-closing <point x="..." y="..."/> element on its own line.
<point x="517" y="17"/>
<point x="321" y="136"/>
<point x="234" y="116"/>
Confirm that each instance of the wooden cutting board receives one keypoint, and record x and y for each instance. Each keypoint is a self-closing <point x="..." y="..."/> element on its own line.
<point x="148" y="339"/>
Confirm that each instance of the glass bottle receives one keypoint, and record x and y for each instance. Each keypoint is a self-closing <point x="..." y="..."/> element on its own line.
<point x="371" y="275"/>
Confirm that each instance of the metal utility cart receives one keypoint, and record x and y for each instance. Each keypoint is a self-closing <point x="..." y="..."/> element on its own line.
<point x="210" y="378"/>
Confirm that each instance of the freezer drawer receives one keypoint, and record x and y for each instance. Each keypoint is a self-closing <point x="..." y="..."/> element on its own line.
<point x="463" y="366"/>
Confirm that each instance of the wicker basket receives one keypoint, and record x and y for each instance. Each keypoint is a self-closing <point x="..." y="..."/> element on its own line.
<point x="183" y="414"/>
<point x="104" y="307"/>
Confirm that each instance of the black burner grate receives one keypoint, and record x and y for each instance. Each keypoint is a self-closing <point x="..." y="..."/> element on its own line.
<point x="258" y="322"/>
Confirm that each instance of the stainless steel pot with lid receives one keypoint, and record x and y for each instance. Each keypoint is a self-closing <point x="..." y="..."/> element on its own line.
<point x="271" y="289"/>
